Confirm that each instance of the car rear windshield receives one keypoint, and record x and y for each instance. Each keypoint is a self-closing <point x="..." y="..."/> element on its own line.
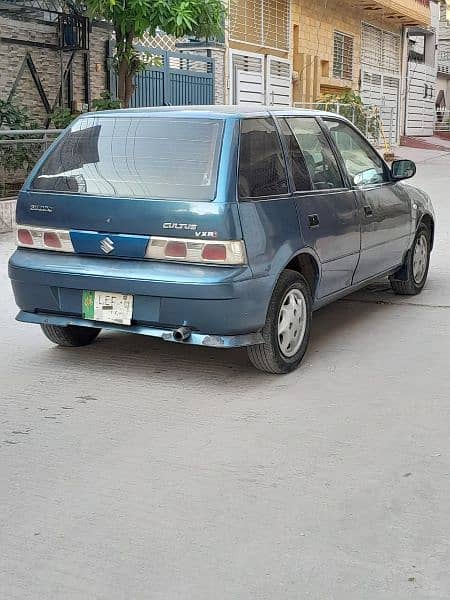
<point x="151" y="157"/>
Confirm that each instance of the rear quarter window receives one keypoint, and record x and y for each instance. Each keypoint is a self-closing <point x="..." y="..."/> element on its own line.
<point x="262" y="169"/>
<point x="151" y="157"/>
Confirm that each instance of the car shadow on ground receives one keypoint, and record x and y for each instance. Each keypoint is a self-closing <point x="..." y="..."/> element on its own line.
<point x="138" y="356"/>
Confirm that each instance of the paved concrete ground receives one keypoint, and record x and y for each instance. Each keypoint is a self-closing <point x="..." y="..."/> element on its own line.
<point x="136" y="470"/>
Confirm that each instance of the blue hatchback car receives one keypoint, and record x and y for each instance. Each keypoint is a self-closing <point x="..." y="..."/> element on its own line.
<point x="219" y="226"/>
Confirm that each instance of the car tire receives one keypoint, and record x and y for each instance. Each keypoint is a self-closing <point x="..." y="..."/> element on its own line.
<point x="411" y="278"/>
<point x="70" y="336"/>
<point x="290" y="308"/>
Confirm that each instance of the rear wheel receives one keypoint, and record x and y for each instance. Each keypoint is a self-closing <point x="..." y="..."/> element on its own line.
<point x="412" y="276"/>
<point x="287" y="327"/>
<point x="70" y="336"/>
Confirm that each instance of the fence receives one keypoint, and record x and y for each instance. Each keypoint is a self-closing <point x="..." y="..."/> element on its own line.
<point x="377" y="123"/>
<point x="170" y="78"/>
<point x="19" y="151"/>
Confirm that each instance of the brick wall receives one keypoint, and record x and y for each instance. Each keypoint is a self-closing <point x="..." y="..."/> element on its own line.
<point x="47" y="63"/>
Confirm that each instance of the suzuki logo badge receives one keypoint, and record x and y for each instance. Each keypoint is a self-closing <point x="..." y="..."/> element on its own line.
<point x="107" y="245"/>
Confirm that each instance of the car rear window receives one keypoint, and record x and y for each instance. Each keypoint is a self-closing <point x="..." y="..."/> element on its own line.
<point x="131" y="157"/>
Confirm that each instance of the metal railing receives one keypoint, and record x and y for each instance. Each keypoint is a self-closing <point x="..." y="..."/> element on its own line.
<point x="377" y="123"/>
<point x="19" y="151"/>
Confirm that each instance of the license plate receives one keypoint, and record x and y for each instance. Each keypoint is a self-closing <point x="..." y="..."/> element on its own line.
<point x="109" y="307"/>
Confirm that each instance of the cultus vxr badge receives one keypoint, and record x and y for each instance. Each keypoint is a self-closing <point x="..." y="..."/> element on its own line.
<point x="191" y="227"/>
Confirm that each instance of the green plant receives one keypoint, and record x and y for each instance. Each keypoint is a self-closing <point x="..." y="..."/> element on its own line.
<point x="349" y="104"/>
<point x="14" y="117"/>
<point x="105" y="102"/>
<point x="132" y="18"/>
<point x="62" y="117"/>
<point x="16" y="155"/>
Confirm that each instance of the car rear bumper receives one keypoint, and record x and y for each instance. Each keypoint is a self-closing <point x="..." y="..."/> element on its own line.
<point x="195" y="338"/>
<point x="211" y="301"/>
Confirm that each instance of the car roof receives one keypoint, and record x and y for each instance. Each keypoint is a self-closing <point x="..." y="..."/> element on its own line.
<point x="212" y="111"/>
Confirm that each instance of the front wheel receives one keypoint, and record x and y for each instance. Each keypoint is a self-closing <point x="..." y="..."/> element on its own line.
<point x="287" y="327"/>
<point x="70" y="336"/>
<point x="412" y="276"/>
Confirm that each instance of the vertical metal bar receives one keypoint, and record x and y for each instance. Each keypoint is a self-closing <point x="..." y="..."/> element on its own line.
<point x="61" y="76"/>
<point x="212" y="80"/>
<point x="391" y="126"/>
<point x="167" y="96"/>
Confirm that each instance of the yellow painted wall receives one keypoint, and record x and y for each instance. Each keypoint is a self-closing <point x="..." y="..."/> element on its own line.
<point x="313" y="26"/>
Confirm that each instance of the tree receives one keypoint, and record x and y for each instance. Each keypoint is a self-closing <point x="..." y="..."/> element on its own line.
<point x="131" y="18"/>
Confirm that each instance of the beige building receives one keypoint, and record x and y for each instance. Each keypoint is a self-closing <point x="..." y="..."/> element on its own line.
<point x="340" y="44"/>
<point x="283" y="52"/>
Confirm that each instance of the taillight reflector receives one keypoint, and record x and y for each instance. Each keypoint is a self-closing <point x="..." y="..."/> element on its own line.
<point x="197" y="251"/>
<point x="176" y="250"/>
<point x="24" y="237"/>
<point x="214" y="252"/>
<point x="45" y="239"/>
<point x="51" y="239"/>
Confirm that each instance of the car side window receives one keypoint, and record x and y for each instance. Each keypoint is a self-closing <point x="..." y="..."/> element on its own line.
<point x="295" y="159"/>
<point x="320" y="160"/>
<point x="262" y="169"/>
<point x="363" y="164"/>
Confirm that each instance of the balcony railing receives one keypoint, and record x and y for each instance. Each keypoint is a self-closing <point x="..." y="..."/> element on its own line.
<point x="444" y="62"/>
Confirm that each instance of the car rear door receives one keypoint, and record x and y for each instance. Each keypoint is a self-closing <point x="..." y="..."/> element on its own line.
<point x="266" y="206"/>
<point x="327" y="208"/>
<point x="384" y="205"/>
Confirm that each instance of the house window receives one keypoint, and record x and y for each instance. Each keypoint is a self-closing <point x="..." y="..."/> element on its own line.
<point x="343" y="56"/>
<point x="416" y="48"/>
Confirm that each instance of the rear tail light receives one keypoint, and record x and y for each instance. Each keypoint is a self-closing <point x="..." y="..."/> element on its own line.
<point x="175" y="250"/>
<point x="51" y="240"/>
<point x="44" y="239"/>
<point x="24" y="237"/>
<point x="214" y="252"/>
<point x="196" y="251"/>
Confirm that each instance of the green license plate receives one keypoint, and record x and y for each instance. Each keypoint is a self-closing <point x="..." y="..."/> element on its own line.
<point x="109" y="307"/>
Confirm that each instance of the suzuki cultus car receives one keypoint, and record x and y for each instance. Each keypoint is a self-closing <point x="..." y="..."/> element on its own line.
<point x="218" y="226"/>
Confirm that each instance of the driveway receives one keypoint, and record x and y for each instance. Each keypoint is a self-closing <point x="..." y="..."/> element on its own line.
<point x="135" y="469"/>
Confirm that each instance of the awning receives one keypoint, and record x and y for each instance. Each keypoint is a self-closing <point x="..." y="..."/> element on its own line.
<point x="399" y="12"/>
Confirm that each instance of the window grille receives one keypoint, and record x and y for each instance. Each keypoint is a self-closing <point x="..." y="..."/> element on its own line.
<point x="260" y="22"/>
<point x="343" y="56"/>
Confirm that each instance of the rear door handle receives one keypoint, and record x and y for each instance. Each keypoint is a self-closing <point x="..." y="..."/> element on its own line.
<point x="313" y="221"/>
<point x="368" y="211"/>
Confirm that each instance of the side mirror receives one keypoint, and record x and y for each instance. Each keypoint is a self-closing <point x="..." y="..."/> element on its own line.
<point x="403" y="169"/>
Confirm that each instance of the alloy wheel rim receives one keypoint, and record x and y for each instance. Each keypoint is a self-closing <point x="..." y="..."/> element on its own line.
<point x="292" y="320"/>
<point x="420" y="258"/>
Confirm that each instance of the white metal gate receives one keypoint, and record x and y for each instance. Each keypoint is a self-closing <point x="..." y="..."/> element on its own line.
<point x="247" y="78"/>
<point x="279" y="82"/>
<point x="420" y="99"/>
<point x="380" y="80"/>
<point x="259" y="79"/>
